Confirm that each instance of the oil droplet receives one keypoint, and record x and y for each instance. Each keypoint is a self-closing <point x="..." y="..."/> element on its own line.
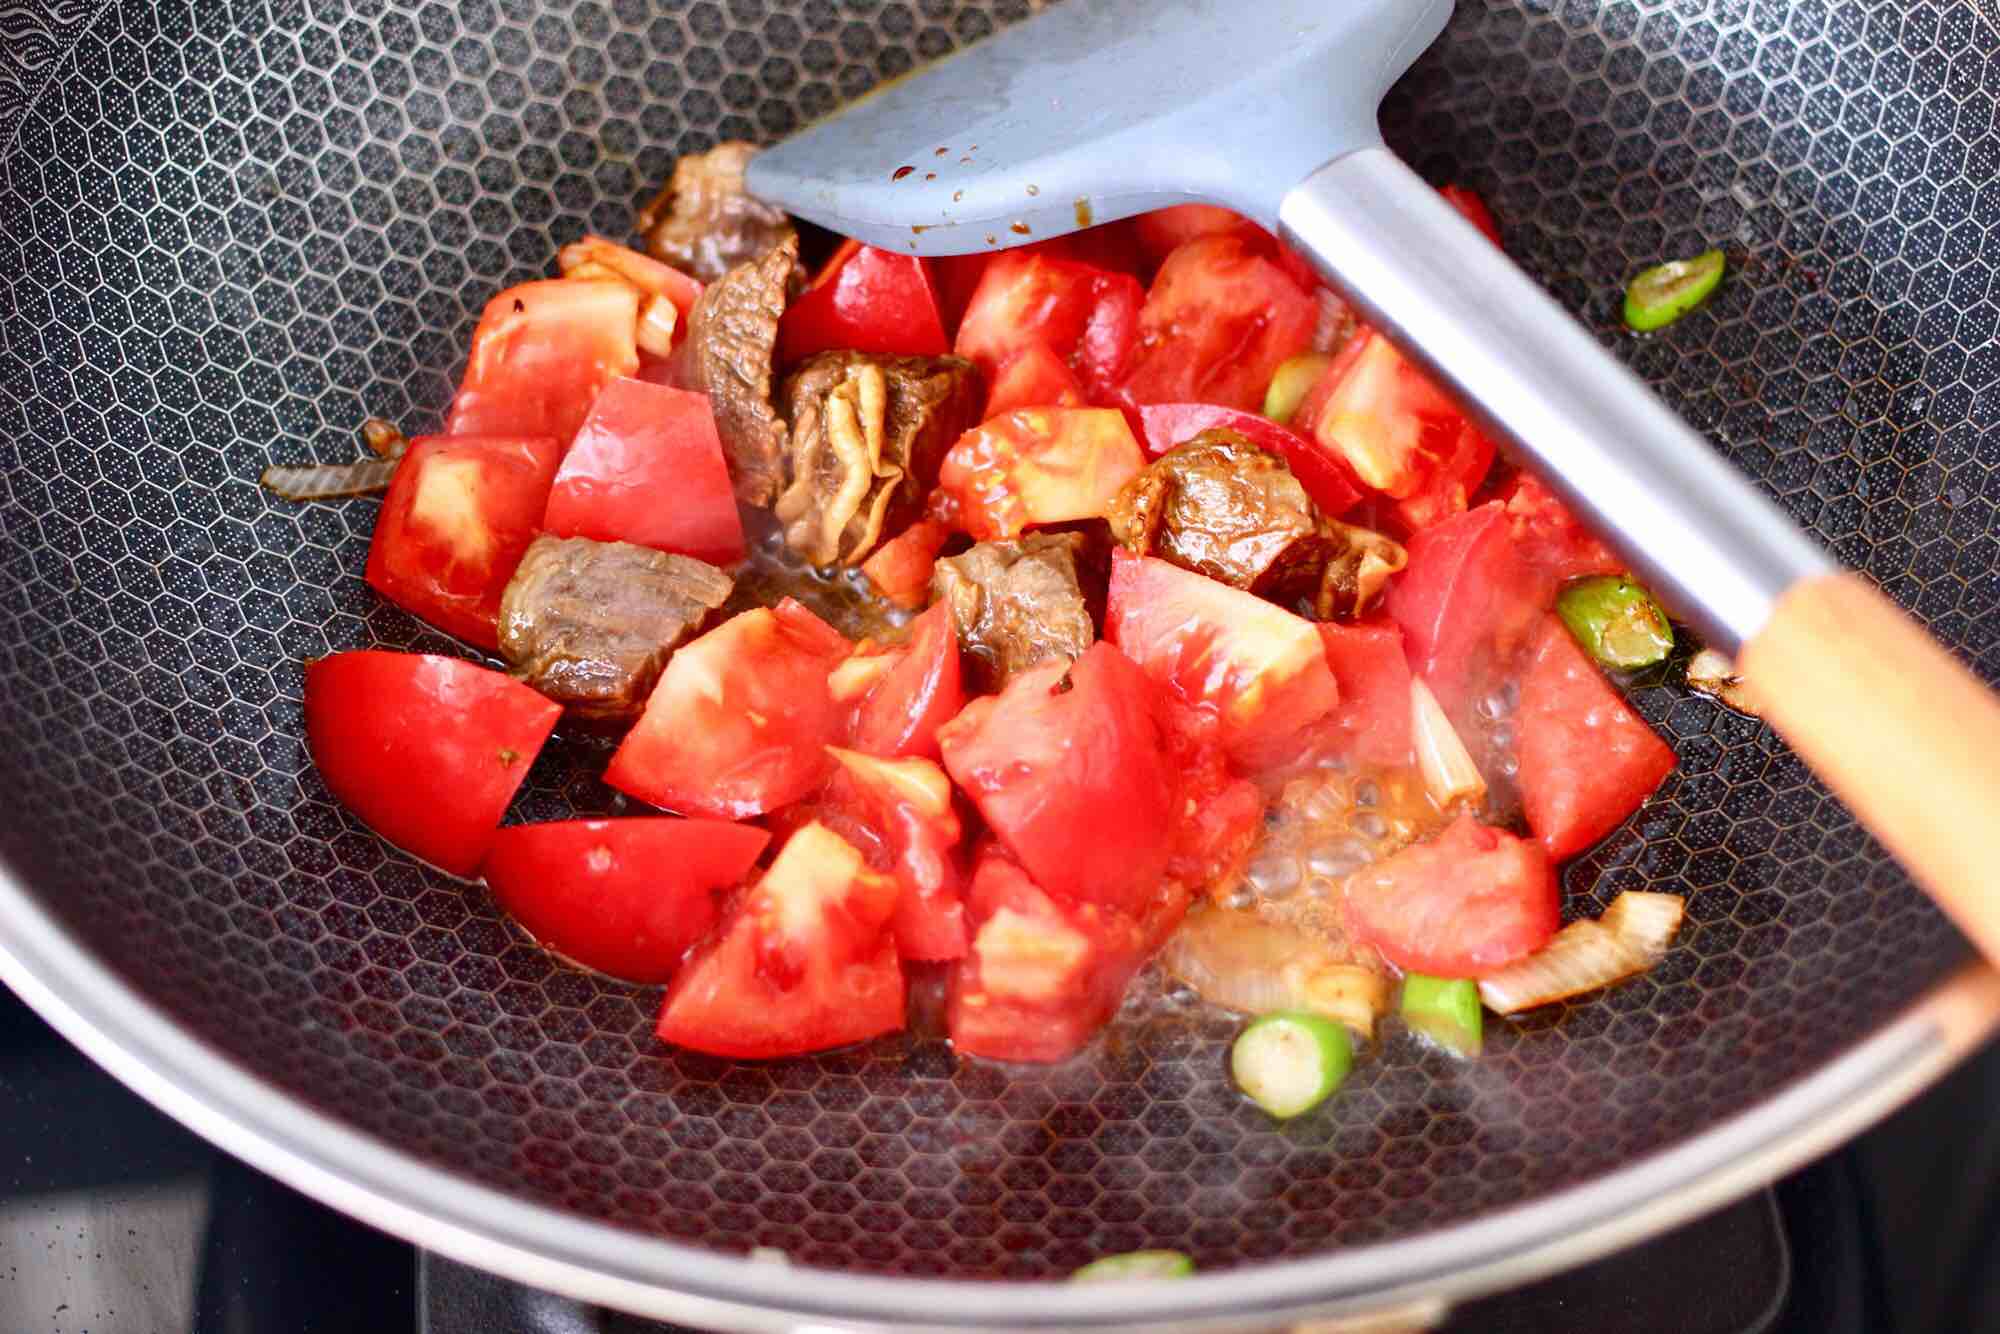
<point x="957" y="195"/>
<point x="991" y="239"/>
<point x="1083" y="214"/>
<point x="901" y="172"/>
<point x="930" y="175"/>
<point x="1018" y="228"/>
<point x="1034" y="189"/>
<point x="941" y="152"/>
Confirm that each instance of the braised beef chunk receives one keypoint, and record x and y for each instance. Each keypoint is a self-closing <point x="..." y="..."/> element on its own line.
<point x="1233" y="511"/>
<point x="1015" y="604"/>
<point x="732" y="331"/>
<point x="591" y="624"/>
<point x="703" y="223"/>
<point x="868" y="433"/>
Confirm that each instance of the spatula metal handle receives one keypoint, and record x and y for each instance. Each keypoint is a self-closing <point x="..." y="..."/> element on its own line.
<point x="1715" y="550"/>
<point x="1906" y="735"/>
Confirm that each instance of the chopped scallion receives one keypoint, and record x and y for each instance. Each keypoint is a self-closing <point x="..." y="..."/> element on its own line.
<point x="1290" y="384"/>
<point x="1616" y="620"/>
<point x="1665" y="292"/>
<point x="1135" y="1264"/>
<point x="1445" y="1010"/>
<point x="1291" y="1061"/>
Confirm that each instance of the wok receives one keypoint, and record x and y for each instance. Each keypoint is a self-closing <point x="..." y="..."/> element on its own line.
<point x="228" y="233"/>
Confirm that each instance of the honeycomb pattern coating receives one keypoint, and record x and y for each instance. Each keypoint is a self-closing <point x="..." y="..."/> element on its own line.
<point x="230" y="232"/>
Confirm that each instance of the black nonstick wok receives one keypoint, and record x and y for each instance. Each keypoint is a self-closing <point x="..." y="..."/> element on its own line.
<point x="229" y="233"/>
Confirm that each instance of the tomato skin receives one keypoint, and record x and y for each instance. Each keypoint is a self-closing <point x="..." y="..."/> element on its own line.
<point x="920" y="691"/>
<point x="1587" y="760"/>
<point x="540" y="355"/>
<point x="1550" y="537"/>
<point x="459" y="513"/>
<point x="1034" y="377"/>
<point x="1074" y="781"/>
<point x="626" y="897"/>
<point x="1037" y="466"/>
<point x="802" y="962"/>
<point x="1325" y="476"/>
<point x="1254" y="667"/>
<point x="907" y="827"/>
<point x="1396" y="429"/>
<point x="1042" y="977"/>
<point x="740" y="720"/>
<point x="867" y="299"/>
<point x="1367" y="661"/>
<point x="1218" y="321"/>
<point x="1469" y="902"/>
<point x="646" y="467"/>
<point x="1466" y="603"/>
<point x="426" y="751"/>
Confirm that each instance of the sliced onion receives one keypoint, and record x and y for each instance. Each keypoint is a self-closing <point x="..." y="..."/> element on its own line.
<point x="1712" y="673"/>
<point x="657" y="320"/>
<point x="327" y="481"/>
<point x="1629" y="938"/>
<point x="1447" y="767"/>
<point x="1646" y="921"/>
<point x="385" y="438"/>
<point x="1239" y="962"/>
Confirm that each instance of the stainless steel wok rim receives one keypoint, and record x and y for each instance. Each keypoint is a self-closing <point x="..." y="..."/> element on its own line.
<point x="482" y="1226"/>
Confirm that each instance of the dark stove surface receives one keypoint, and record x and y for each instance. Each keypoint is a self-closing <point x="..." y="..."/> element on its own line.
<point x="115" y="1219"/>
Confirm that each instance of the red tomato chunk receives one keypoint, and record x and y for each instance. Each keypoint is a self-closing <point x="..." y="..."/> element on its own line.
<point x="1254" y="667"/>
<point x="1218" y="321"/>
<point x="1549" y="537"/>
<point x="867" y="300"/>
<point x="740" y="720"/>
<point x="647" y="468"/>
<point x="1034" y="377"/>
<point x="1466" y="604"/>
<point x="1086" y="316"/>
<point x="1037" y="466"/>
<point x="1373" y="716"/>
<point x="901" y="568"/>
<point x="1068" y="766"/>
<point x="903" y="693"/>
<point x="1401" y="434"/>
<point x="540" y="354"/>
<point x="626" y="897"/>
<point x="1469" y="902"/>
<point x="905" y="807"/>
<point x="459" y="513"/>
<point x="427" y="751"/>
<point x="1043" y="976"/>
<point x="804" y="961"/>
<point x="1587" y="760"/>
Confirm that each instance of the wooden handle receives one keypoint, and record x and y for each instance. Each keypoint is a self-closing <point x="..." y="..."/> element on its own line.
<point x="1906" y="736"/>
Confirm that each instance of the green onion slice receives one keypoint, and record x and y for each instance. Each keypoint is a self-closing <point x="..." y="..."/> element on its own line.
<point x="1291" y="1061"/>
<point x="1290" y="384"/>
<point x="1135" y="1264"/>
<point x="1665" y="292"/>
<point x="1616" y="620"/>
<point x="1445" y="1010"/>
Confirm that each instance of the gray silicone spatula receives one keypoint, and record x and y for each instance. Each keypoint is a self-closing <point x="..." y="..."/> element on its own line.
<point x="1097" y="109"/>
